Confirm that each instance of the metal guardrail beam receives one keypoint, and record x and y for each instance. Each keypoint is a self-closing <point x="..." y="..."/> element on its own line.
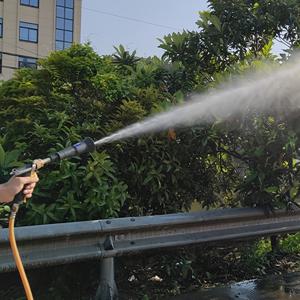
<point x="68" y="242"/>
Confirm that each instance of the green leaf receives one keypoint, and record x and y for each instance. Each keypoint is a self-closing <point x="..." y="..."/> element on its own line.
<point x="271" y="189"/>
<point x="2" y="156"/>
<point x="216" y="22"/>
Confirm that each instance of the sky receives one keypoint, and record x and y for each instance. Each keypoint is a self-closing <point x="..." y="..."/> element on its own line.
<point x="136" y="24"/>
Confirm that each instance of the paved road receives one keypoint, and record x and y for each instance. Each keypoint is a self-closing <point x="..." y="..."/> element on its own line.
<point x="285" y="287"/>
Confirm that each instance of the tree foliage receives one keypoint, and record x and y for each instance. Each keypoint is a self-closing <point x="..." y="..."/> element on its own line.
<point x="76" y="92"/>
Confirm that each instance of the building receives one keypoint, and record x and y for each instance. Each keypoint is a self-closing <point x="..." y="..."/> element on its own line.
<point x="31" y="29"/>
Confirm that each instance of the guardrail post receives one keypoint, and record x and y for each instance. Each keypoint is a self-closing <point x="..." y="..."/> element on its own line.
<point x="107" y="289"/>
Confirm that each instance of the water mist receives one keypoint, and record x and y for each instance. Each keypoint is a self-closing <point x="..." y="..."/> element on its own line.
<point x="263" y="91"/>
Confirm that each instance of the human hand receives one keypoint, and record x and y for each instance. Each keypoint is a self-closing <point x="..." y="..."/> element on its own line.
<point x="15" y="185"/>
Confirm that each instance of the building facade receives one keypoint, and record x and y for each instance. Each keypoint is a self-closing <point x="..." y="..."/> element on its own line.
<point x="31" y="29"/>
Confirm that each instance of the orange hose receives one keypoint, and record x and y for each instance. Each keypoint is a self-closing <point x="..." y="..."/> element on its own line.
<point x="16" y="254"/>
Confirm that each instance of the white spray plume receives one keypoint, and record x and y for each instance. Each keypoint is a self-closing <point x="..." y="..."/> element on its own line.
<point x="273" y="90"/>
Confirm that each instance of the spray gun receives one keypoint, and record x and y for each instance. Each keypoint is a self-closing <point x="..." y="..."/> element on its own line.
<point x="85" y="146"/>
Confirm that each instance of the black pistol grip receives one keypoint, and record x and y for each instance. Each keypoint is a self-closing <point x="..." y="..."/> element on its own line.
<point x="28" y="170"/>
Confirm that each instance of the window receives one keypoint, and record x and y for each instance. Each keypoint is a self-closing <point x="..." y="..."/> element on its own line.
<point x="64" y="24"/>
<point x="0" y="63"/>
<point x="69" y="25"/>
<point x="1" y="27"/>
<point x="27" y="62"/>
<point x="28" y="32"/>
<point x="33" y="3"/>
<point x="69" y="3"/>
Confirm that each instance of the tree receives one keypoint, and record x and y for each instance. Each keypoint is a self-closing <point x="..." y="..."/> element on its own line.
<point x="229" y="31"/>
<point x="77" y="93"/>
<point x="123" y="58"/>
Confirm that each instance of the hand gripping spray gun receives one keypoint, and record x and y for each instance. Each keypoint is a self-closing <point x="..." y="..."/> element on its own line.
<point x="85" y="146"/>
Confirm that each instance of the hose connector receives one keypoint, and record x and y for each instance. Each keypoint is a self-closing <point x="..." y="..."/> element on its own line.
<point x="14" y="209"/>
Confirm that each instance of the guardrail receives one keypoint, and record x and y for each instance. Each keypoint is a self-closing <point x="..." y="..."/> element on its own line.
<point x="105" y="239"/>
